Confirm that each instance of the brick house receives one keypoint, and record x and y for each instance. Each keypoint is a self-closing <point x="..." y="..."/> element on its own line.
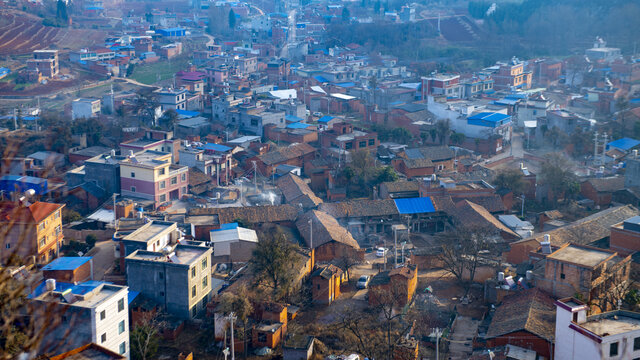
<point x="585" y="270"/>
<point x="601" y="190"/>
<point x="295" y="155"/>
<point x="272" y="327"/>
<point x="400" y="282"/>
<point x="327" y="237"/>
<point x="525" y="319"/>
<point x="424" y="161"/>
<point x="325" y="284"/>
<point x="343" y="137"/>
<point x="625" y="236"/>
<point x="69" y="269"/>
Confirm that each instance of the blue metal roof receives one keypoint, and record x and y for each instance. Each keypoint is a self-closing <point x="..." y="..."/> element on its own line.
<point x="346" y="84"/>
<point x="187" y="113"/>
<point x="325" y="119"/>
<point x="132" y="296"/>
<point x="216" y="147"/>
<point x="292" y="118"/>
<point x="624" y="144"/>
<point x="297" y="125"/>
<point x="66" y="263"/>
<point x="321" y="79"/>
<point x="419" y="205"/>
<point x="79" y="289"/>
<point x="489" y="119"/>
<point x="229" y="226"/>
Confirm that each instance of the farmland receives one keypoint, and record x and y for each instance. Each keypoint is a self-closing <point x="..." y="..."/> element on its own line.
<point x="21" y="33"/>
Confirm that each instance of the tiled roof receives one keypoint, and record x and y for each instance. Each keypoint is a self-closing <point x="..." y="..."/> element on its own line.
<point x="358" y="208"/>
<point x="283" y="154"/>
<point x="197" y="177"/>
<point x="589" y="229"/>
<point x="469" y="213"/>
<point x="493" y="203"/>
<point x="41" y="210"/>
<point x="398" y="186"/>
<point x="327" y="271"/>
<point x="529" y="310"/>
<point x="251" y="214"/>
<point x="325" y="229"/>
<point x="295" y="191"/>
<point x="433" y="153"/>
<point x="608" y="184"/>
<point x="417" y="163"/>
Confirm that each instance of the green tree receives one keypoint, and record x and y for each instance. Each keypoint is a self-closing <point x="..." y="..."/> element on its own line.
<point x="387" y="174"/>
<point x="145" y="338"/>
<point x="168" y="119"/>
<point x="69" y="215"/>
<point x="457" y="138"/>
<point x="91" y="240"/>
<point x="401" y="135"/>
<point x="61" y="13"/>
<point x="232" y="19"/>
<point x="510" y="179"/>
<point x="443" y="129"/>
<point x="271" y="263"/>
<point x="346" y="15"/>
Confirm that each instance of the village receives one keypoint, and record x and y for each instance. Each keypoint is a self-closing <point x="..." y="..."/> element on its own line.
<point x="220" y="180"/>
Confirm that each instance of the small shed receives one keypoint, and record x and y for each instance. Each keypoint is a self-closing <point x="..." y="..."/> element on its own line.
<point x="297" y="347"/>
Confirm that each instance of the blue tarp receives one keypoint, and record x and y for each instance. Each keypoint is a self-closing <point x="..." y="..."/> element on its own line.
<point x="321" y="79"/>
<point x="79" y="289"/>
<point x="216" y="147"/>
<point x="297" y="125"/>
<point x="415" y="205"/>
<point x="67" y="263"/>
<point x="624" y="144"/>
<point x="346" y="84"/>
<point x="229" y="226"/>
<point x="187" y="113"/>
<point x="325" y="119"/>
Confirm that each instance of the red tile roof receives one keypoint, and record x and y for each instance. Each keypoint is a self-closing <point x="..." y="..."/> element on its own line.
<point x="42" y="210"/>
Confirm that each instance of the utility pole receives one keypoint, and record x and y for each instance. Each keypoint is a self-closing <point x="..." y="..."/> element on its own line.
<point x="395" y="246"/>
<point x="233" y="352"/>
<point x="438" y="334"/>
<point x="255" y="175"/>
<point x="311" y="233"/>
<point x="115" y="216"/>
<point x="522" y="213"/>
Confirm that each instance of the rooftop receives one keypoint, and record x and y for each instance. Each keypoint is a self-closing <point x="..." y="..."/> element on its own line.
<point x="581" y="255"/>
<point x="88" y="294"/>
<point x="66" y="263"/>
<point x="182" y="255"/>
<point x="612" y="323"/>
<point x="150" y="231"/>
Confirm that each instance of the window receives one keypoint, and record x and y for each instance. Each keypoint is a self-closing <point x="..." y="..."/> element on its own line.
<point x="318" y="286"/>
<point x="362" y="144"/>
<point x="193" y="272"/>
<point x="562" y="276"/>
<point x="58" y="230"/>
<point x="120" y="327"/>
<point x="120" y="305"/>
<point x="161" y="171"/>
<point x="163" y="184"/>
<point x="575" y="317"/>
<point x="57" y="215"/>
<point x="636" y="344"/>
<point x="262" y="337"/>
<point x="103" y="314"/>
<point x="613" y="349"/>
<point x="162" y="198"/>
<point x="160" y="275"/>
<point x="42" y="242"/>
<point x="161" y="293"/>
<point x="174" y="180"/>
<point x="348" y="145"/>
<point x="103" y="338"/>
<point x="194" y="311"/>
<point x="184" y="177"/>
<point x="205" y="282"/>
<point x="7" y="246"/>
<point x="41" y="226"/>
<point x="184" y="189"/>
<point x="133" y="174"/>
<point x="204" y="302"/>
<point x="372" y="142"/>
<point x="133" y="189"/>
<point x="204" y="263"/>
<point x="194" y="290"/>
<point x="123" y="347"/>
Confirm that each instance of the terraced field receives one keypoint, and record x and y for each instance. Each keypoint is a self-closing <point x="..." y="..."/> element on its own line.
<point x="21" y="33"/>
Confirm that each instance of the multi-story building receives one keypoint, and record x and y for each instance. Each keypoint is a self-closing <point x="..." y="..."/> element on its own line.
<point x="45" y="62"/>
<point x="170" y="98"/>
<point x="246" y="65"/>
<point x="512" y="75"/>
<point x="151" y="175"/>
<point x="180" y="280"/>
<point x="625" y="236"/>
<point x="85" y="108"/>
<point x="610" y="335"/>
<point x="476" y="85"/>
<point x="95" y="54"/>
<point x="90" y="312"/>
<point x="30" y="231"/>
<point x="152" y="236"/>
<point x="579" y="269"/>
<point x="155" y="140"/>
<point x="343" y="138"/>
<point x="601" y="53"/>
<point x="441" y="85"/>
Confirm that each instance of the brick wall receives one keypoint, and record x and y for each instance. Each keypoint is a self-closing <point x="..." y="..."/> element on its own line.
<point x="624" y="241"/>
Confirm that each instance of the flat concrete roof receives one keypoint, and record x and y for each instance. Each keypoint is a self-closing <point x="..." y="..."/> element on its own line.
<point x="182" y="254"/>
<point x="150" y="231"/>
<point x="610" y="326"/>
<point x="580" y="255"/>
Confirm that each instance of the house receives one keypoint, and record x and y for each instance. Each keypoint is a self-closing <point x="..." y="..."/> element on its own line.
<point x="89" y="351"/>
<point x="170" y="98"/>
<point x="325" y="284"/>
<point x="50" y="161"/>
<point x="400" y="189"/>
<point x="589" y="271"/>
<point x="45" y="63"/>
<point x="85" y="108"/>
<point x="625" y="236"/>
<point x="399" y="283"/>
<point x="609" y="335"/>
<point x="512" y="76"/>
<point x="69" y="269"/>
<point x="296" y="155"/>
<point x="327" y="237"/>
<point x="31" y="230"/>
<point x="277" y="214"/>
<point x="151" y="175"/>
<point x="272" y="327"/>
<point x="447" y="85"/>
<point x="179" y="280"/>
<point x="525" y="319"/>
<point x="232" y="243"/>
<point x="156" y="140"/>
<point x="94" y="312"/>
<point x="601" y="190"/>
<point x="296" y="191"/>
<point x="80" y="156"/>
<point x="584" y="231"/>
<point x="424" y="161"/>
<point x="343" y="137"/>
<point x="297" y="347"/>
<point x="154" y="235"/>
<point x="469" y="213"/>
<point x="195" y="126"/>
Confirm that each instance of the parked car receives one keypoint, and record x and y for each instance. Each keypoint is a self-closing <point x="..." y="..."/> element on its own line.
<point x="317" y="114"/>
<point x="363" y="282"/>
<point x="381" y="252"/>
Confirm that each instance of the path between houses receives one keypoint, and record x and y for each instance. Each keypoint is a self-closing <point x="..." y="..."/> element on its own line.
<point x="464" y="331"/>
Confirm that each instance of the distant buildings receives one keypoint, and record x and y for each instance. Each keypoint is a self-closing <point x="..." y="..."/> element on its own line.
<point x="85" y="108"/>
<point x="512" y="75"/>
<point x="44" y="64"/>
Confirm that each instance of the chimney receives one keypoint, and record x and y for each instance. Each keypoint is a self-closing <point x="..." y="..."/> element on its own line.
<point x="50" y="284"/>
<point x="546" y="244"/>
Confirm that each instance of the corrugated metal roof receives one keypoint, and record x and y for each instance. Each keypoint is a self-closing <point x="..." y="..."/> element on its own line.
<point x="624" y="144"/>
<point x="419" y="205"/>
<point x="67" y="263"/>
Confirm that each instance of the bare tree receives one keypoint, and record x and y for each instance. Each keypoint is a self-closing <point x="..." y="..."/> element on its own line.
<point x="461" y="251"/>
<point x="241" y="306"/>
<point x="145" y="337"/>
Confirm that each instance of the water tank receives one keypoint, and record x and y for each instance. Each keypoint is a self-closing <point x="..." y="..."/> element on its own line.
<point x="529" y="275"/>
<point x="50" y="284"/>
<point x="500" y="276"/>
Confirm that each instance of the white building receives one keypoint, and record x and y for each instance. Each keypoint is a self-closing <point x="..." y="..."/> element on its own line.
<point x="610" y="335"/>
<point x="233" y="242"/>
<point x="175" y="99"/>
<point x="85" y="108"/>
<point x="91" y="312"/>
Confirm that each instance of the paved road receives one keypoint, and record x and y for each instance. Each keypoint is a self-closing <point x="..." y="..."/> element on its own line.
<point x="103" y="258"/>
